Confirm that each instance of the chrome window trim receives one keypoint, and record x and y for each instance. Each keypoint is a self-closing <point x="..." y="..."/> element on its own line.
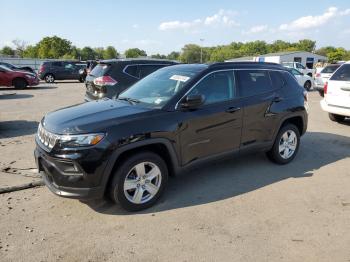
<point x="225" y="70"/>
<point x="126" y="67"/>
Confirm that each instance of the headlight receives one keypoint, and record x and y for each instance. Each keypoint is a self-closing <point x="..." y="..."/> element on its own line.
<point x="80" y="140"/>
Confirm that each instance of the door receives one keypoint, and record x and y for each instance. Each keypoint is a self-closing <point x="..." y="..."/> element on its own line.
<point x="258" y="95"/>
<point x="5" y="78"/>
<point x="338" y="92"/>
<point x="71" y="71"/>
<point x="57" y="69"/>
<point x="299" y="76"/>
<point x="215" y="127"/>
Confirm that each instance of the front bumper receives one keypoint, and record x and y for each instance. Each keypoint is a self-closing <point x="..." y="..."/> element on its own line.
<point x="71" y="176"/>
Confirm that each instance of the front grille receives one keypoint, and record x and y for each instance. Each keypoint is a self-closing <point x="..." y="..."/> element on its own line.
<point x="46" y="138"/>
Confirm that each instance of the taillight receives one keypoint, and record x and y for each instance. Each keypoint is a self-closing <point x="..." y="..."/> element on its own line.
<point x="105" y="81"/>
<point x="41" y="69"/>
<point x="325" y="87"/>
<point x="318" y="75"/>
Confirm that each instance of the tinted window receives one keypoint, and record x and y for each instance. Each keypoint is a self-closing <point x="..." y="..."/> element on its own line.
<point x="290" y="79"/>
<point x="300" y="66"/>
<point x="133" y="70"/>
<point x="253" y="82"/>
<point x="342" y="74"/>
<point x="56" y="64"/>
<point x="99" y="70"/>
<point x="216" y="87"/>
<point x="329" y="69"/>
<point x="145" y="70"/>
<point x="277" y="79"/>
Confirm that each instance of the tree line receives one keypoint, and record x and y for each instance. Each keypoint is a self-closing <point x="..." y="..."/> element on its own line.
<point x="55" y="47"/>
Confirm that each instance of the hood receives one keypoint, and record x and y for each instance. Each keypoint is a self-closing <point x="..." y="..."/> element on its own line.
<point x="91" y="117"/>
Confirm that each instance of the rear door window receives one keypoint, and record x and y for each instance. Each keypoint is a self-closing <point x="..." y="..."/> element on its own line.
<point x="277" y="79"/>
<point x="342" y="74"/>
<point x="329" y="69"/>
<point x="56" y="64"/>
<point x="253" y="82"/>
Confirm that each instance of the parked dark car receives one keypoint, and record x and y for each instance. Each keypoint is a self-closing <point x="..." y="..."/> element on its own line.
<point x="90" y="64"/>
<point x="110" y="77"/>
<point x="17" y="78"/>
<point x="175" y="118"/>
<point x="18" y="68"/>
<point x="60" y="70"/>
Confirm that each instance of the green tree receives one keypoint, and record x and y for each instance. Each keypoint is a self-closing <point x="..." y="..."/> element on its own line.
<point x="99" y="51"/>
<point x="254" y="48"/>
<point x="159" y="56"/>
<point x="20" y="46"/>
<point x="306" y="45"/>
<point x="173" y="56"/>
<point x="31" y="51"/>
<point x="134" y="53"/>
<point x="87" y="53"/>
<point x="110" y="52"/>
<point x="191" y="53"/>
<point x="337" y="55"/>
<point x="53" y="47"/>
<point x="6" y="50"/>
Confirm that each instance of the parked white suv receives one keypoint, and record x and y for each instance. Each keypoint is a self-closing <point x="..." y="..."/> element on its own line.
<point x="337" y="94"/>
<point x="300" y="68"/>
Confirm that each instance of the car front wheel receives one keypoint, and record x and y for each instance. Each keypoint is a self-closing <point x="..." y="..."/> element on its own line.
<point x="307" y="85"/>
<point x="286" y="145"/>
<point x="49" y="78"/>
<point x="20" y="83"/>
<point x="139" y="181"/>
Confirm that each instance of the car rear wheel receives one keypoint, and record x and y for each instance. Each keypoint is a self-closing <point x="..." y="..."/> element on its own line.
<point x="321" y="93"/>
<point x="139" y="181"/>
<point x="20" y="83"/>
<point x="49" y="78"/>
<point x="336" y="118"/>
<point x="307" y="85"/>
<point x="286" y="145"/>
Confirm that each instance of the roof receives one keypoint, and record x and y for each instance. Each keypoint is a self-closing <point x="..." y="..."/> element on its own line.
<point x="288" y="53"/>
<point x="247" y="64"/>
<point x="135" y="59"/>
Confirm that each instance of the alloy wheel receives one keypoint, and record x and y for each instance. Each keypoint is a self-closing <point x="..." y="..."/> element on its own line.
<point x="288" y="144"/>
<point x="142" y="182"/>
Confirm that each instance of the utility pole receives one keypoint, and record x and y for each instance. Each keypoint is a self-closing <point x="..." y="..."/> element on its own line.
<point x="202" y="40"/>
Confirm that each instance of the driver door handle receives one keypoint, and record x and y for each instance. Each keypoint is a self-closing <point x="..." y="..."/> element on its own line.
<point x="232" y="109"/>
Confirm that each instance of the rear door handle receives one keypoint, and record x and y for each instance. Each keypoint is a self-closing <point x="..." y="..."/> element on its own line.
<point x="232" y="109"/>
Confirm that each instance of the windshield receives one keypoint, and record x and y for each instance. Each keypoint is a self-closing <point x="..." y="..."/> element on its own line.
<point x="159" y="87"/>
<point x="287" y="64"/>
<point x="5" y="68"/>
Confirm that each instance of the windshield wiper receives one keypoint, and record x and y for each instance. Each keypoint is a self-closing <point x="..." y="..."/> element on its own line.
<point x="130" y="100"/>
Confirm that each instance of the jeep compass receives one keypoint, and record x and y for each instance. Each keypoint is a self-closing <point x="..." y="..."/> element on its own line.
<point x="172" y="119"/>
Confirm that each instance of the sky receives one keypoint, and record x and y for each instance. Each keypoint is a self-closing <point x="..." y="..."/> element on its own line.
<point x="164" y="26"/>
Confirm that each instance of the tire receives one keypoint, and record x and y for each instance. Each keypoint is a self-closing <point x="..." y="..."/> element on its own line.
<point x="136" y="169"/>
<point x="20" y="83"/>
<point x="336" y="118"/>
<point x="321" y="93"/>
<point x="307" y="85"/>
<point x="49" y="78"/>
<point x="309" y="74"/>
<point x="284" y="150"/>
<point x="81" y="80"/>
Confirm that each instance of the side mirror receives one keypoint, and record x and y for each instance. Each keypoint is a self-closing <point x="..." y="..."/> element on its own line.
<point x="192" y="101"/>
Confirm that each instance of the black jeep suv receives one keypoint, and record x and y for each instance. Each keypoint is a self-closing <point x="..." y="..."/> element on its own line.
<point x="110" y="77"/>
<point x="172" y="119"/>
<point x="60" y="70"/>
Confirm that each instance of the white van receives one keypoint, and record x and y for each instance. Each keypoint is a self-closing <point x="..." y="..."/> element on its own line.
<point x="337" y="94"/>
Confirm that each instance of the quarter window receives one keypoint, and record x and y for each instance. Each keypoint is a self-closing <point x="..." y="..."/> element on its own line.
<point x="133" y="70"/>
<point x="253" y="82"/>
<point x="145" y="70"/>
<point x="216" y="87"/>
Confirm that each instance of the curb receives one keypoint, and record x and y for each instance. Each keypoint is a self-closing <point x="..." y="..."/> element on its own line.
<point x="21" y="187"/>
